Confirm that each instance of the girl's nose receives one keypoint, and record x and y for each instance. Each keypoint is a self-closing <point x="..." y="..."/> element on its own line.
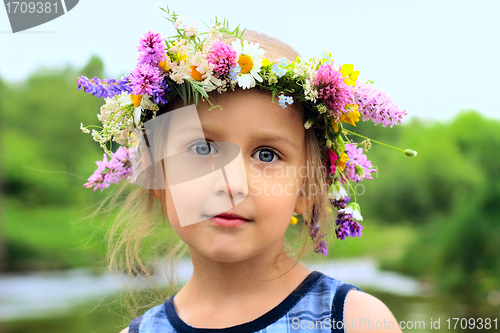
<point x="234" y="180"/>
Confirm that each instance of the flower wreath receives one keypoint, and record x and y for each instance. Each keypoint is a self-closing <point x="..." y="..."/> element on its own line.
<point x="188" y="67"/>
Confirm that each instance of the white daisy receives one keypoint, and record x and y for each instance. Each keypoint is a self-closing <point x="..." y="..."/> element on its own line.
<point x="250" y="61"/>
<point x="138" y="101"/>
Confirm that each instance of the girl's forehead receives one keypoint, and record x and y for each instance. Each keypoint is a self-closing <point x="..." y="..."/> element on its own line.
<point x="251" y="101"/>
<point x="252" y="111"/>
<point x="242" y="117"/>
<point x="248" y="105"/>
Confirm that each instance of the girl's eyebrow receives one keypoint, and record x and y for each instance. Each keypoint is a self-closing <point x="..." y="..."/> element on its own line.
<point x="274" y="137"/>
<point x="261" y="136"/>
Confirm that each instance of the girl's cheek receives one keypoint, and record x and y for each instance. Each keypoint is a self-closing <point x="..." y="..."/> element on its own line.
<point x="273" y="184"/>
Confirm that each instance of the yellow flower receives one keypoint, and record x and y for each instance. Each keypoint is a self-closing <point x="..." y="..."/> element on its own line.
<point x="342" y="161"/>
<point x="195" y="74"/>
<point x="351" y="76"/>
<point x="132" y="139"/>
<point x="164" y="65"/>
<point x="136" y="99"/>
<point x="178" y="57"/>
<point x="246" y="63"/>
<point x="335" y="124"/>
<point x="265" y="62"/>
<point x="353" y="116"/>
<point x="293" y="220"/>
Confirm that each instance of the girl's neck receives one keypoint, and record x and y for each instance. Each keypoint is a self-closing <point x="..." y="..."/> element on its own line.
<point x="259" y="283"/>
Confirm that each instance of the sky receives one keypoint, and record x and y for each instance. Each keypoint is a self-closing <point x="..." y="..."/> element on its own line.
<point x="433" y="58"/>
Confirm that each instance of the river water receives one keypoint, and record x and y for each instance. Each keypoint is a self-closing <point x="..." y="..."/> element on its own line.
<point x="44" y="294"/>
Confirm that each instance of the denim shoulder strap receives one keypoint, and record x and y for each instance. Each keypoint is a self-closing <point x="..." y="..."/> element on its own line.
<point x="338" y="307"/>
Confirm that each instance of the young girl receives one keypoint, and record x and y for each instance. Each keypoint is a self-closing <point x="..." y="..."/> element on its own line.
<point x="253" y="163"/>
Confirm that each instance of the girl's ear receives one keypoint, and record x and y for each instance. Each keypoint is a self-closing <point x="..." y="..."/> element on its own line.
<point x="158" y="194"/>
<point x="301" y="205"/>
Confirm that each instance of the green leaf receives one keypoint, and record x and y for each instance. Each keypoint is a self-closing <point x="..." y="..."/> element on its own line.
<point x="340" y="141"/>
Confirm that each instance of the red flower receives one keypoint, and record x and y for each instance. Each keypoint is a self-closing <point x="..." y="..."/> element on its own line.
<point x="333" y="159"/>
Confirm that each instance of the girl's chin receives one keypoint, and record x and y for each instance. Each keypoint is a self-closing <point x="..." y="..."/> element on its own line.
<point x="224" y="256"/>
<point x="225" y="251"/>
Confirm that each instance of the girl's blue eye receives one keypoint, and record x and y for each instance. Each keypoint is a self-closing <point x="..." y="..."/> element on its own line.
<point x="203" y="148"/>
<point x="267" y="155"/>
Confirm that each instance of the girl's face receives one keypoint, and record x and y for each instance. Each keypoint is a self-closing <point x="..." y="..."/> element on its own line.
<point x="272" y="145"/>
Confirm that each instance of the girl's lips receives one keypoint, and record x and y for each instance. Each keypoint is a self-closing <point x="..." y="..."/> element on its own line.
<point x="228" y="222"/>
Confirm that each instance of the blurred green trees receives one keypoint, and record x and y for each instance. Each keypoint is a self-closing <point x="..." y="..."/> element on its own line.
<point x="45" y="160"/>
<point x="44" y="154"/>
<point x="450" y="193"/>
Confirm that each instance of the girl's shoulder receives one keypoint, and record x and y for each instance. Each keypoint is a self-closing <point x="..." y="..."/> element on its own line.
<point x="366" y="313"/>
<point x="318" y="300"/>
<point x="357" y="311"/>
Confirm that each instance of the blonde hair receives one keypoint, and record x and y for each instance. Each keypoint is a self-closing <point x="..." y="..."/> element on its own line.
<point x="140" y="234"/>
<point x="275" y="49"/>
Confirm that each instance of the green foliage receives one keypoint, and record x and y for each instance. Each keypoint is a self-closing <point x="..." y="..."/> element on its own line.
<point x="95" y="67"/>
<point x="88" y="317"/>
<point x="417" y="188"/>
<point x="50" y="238"/>
<point x="455" y="181"/>
<point x="46" y="158"/>
<point x="223" y="28"/>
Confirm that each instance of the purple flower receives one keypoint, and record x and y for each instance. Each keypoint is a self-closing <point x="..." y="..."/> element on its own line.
<point x="358" y="167"/>
<point x="377" y="106"/>
<point x="341" y="203"/>
<point x="349" y="172"/>
<point x="347" y="226"/>
<point x="151" y="49"/>
<point x="343" y="218"/>
<point x="146" y="79"/>
<point x="332" y="89"/>
<point x="223" y="57"/>
<point x="97" y="179"/>
<point x="159" y="95"/>
<point x="121" y="154"/>
<point x="355" y="229"/>
<point x="342" y="232"/>
<point x="313" y="230"/>
<point x="104" y="88"/>
<point x="322" y="248"/>
<point x="118" y="168"/>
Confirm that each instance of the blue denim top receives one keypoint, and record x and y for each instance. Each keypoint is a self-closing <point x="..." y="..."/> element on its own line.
<point x="315" y="306"/>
